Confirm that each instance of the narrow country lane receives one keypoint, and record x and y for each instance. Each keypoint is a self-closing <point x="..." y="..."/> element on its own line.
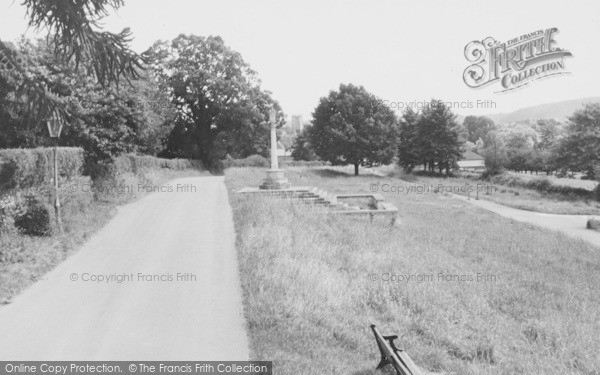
<point x="179" y="299"/>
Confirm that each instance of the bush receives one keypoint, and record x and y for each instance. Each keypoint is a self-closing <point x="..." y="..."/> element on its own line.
<point x="26" y="168"/>
<point x="135" y="164"/>
<point x="250" y="161"/>
<point x="305" y="163"/>
<point x="543" y="185"/>
<point x="35" y="221"/>
<point x="10" y="207"/>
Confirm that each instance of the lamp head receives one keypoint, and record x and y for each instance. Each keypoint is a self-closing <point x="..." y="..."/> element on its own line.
<point x="54" y="125"/>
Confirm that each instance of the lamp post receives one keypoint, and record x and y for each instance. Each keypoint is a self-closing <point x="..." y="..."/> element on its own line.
<point x="55" y="125"/>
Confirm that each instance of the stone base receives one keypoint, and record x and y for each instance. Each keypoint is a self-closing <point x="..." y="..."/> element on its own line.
<point x="275" y="180"/>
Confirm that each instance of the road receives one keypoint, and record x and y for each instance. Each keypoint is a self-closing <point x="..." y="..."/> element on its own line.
<point x="572" y="225"/>
<point x="158" y="316"/>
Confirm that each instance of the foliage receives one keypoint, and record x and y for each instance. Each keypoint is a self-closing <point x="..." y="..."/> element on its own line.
<point x="35" y="221"/>
<point x="250" y="161"/>
<point x="302" y="149"/>
<point x="24" y="168"/>
<point x="494" y="154"/>
<point x="350" y="127"/>
<point x="221" y="108"/>
<point x="543" y="185"/>
<point x="408" y="154"/>
<point x="105" y="121"/>
<point x="478" y="127"/>
<point x="579" y="148"/>
<point x="73" y="29"/>
<point x="431" y="138"/>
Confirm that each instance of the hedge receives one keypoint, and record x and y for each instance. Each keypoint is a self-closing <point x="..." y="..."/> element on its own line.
<point x="262" y="162"/>
<point x="24" y="168"/>
<point x="134" y="164"/>
<point x="542" y="184"/>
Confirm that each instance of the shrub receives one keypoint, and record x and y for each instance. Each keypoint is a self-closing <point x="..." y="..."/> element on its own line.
<point x="35" y="220"/>
<point x="543" y="185"/>
<point x="135" y="164"/>
<point x="250" y="161"/>
<point x="10" y="207"/>
<point x="305" y="163"/>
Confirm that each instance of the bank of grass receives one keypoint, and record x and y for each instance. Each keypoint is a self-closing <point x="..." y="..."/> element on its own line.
<point x="310" y="294"/>
<point x="515" y="196"/>
<point x="24" y="259"/>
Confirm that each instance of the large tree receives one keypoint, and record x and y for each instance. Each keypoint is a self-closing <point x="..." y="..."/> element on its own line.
<point x="351" y="127"/>
<point x="478" y="127"/>
<point x="431" y="138"/>
<point x="75" y="34"/>
<point x="579" y="148"/>
<point x="221" y="107"/>
<point x="409" y="156"/>
<point x="104" y="120"/>
<point x="301" y="148"/>
<point x="439" y="136"/>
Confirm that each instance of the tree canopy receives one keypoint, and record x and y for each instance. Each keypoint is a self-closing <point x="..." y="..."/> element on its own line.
<point x="579" y="149"/>
<point x="75" y="34"/>
<point x="105" y="121"/>
<point x="431" y="138"/>
<point x="350" y="126"/>
<point x="220" y="106"/>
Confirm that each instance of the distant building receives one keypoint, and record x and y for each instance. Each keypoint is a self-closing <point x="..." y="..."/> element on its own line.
<point x="471" y="160"/>
<point x="296" y="123"/>
<point x="282" y="153"/>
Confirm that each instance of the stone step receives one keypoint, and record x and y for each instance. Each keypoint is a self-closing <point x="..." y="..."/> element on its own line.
<point x="312" y="199"/>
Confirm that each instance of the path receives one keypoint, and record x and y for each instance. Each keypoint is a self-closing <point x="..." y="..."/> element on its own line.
<point x="572" y="225"/>
<point x="162" y="235"/>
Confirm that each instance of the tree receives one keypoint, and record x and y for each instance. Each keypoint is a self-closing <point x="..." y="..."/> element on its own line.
<point x="74" y="33"/>
<point x="579" y="148"/>
<point x="494" y="154"/>
<point x="350" y="128"/>
<point x="105" y="121"/>
<point x="221" y="108"/>
<point x="409" y="155"/>
<point x="478" y="127"/>
<point x="438" y="137"/>
<point x="302" y="149"/>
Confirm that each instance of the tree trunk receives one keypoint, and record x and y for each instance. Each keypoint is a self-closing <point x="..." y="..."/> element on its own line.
<point x="356" y="169"/>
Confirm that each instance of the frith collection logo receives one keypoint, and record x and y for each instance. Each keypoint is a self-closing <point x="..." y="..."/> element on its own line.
<point x="516" y="62"/>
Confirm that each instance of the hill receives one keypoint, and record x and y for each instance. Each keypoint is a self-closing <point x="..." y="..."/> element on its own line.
<point x="559" y="111"/>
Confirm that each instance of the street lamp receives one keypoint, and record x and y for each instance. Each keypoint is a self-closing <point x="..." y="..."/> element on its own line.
<point x="55" y="125"/>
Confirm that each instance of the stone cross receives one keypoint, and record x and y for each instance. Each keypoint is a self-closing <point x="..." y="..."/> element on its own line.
<point x="275" y="177"/>
<point x="272" y="120"/>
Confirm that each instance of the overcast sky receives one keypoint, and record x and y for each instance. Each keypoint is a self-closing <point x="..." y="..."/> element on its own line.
<point x="401" y="51"/>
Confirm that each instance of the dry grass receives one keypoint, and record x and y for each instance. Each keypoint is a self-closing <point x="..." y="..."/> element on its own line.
<point x="313" y="283"/>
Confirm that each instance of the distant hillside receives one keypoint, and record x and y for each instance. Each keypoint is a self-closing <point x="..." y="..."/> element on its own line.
<point x="559" y="111"/>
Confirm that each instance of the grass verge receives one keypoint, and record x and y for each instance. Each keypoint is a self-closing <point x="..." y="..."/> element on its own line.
<point x="467" y="291"/>
<point x="515" y="196"/>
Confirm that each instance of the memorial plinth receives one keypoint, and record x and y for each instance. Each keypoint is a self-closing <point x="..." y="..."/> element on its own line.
<point x="275" y="180"/>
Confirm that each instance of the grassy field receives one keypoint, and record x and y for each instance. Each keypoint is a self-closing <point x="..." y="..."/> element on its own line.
<point x="24" y="259"/>
<point x="467" y="291"/>
<point x="571" y="182"/>
<point x="520" y="197"/>
<point x="514" y="196"/>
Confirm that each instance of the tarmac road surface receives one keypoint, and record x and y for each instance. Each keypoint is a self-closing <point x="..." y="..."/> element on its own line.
<point x="159" y="282"/>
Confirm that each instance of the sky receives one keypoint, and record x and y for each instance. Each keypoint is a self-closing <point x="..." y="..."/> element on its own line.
<point x="401" y="51"/>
